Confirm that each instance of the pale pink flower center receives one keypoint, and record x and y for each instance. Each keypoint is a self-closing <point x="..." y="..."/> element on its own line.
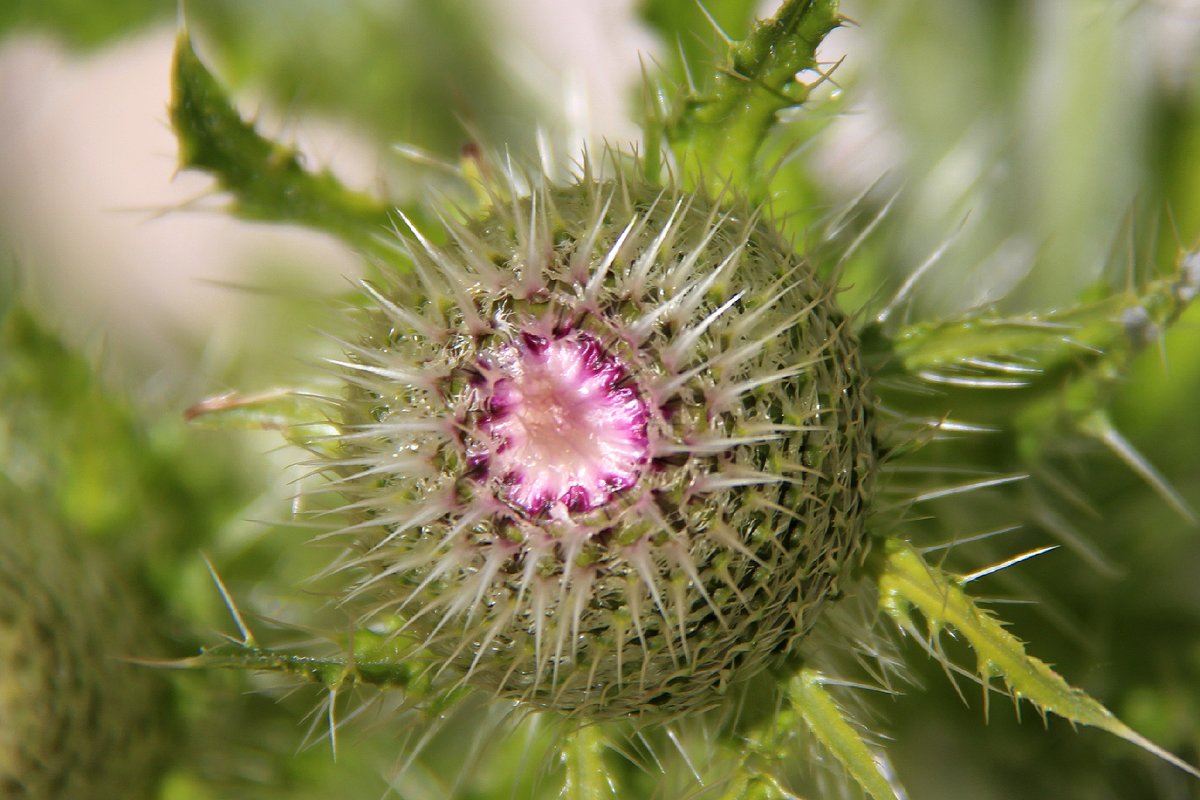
<point x="566" y="423"/>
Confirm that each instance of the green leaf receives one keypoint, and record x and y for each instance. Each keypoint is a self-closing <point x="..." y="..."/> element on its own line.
<point x="1058" y="369"/>
<point x="716" y="131"/>
<point x="267" y="180"/>
<point x="907" y="582"/>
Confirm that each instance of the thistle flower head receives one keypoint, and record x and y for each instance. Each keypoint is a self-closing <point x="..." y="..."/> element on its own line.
<point x="605" y="449"/>
<point x="563" y="425"/>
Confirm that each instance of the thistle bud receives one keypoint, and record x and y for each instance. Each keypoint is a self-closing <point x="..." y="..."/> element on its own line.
<point x="605" y="449"/>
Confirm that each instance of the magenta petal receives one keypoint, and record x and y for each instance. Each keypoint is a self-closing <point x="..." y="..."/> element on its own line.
<point x="558" y="428"/>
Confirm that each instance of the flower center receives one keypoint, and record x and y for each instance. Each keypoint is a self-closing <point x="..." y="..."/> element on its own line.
<point x="566" y="423"/>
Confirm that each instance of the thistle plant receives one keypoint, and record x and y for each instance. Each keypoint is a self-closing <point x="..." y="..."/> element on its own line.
<point x="605" y="456"/>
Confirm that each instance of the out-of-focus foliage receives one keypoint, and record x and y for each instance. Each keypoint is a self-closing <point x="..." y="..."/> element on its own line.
<point x="83" y="23"/>
<point x="106" y="509"/>
<point x="1049" y="145"/>
<point x="406" y="72"/>
<point x="401" y="72"/>
<point x="147" y="490"/>
<point x="79" y="721"/>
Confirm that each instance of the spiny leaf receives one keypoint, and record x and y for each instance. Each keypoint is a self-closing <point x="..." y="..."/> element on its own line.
<point x="907" y="582"/>
<point x="1059" y="367"/>
<point x="828" y="724"/>
<point x="267" y="179"/>
<point x="716" y="131"/>
<point x="1102" y="332"/>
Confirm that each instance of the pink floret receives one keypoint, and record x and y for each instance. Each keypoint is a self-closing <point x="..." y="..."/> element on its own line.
<point x="565" y="425"/>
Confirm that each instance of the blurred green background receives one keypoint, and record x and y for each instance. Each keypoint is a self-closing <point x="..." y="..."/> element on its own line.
<point x="1046" y="145"/>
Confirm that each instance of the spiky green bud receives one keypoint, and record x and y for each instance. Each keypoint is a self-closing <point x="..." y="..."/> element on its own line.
<point x="605" y="450"/>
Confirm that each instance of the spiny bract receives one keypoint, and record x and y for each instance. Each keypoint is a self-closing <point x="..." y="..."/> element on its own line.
<point x="606" y="449"/>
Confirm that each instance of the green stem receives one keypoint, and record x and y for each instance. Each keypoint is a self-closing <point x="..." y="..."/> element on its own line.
<point x="330" y="672"/>
<point x="716" y="134"/>
<point x="587" y="776"/>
